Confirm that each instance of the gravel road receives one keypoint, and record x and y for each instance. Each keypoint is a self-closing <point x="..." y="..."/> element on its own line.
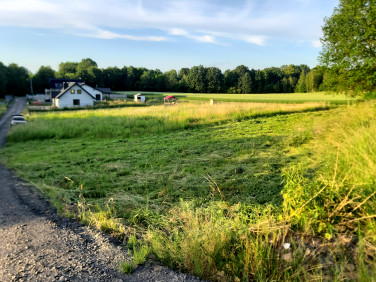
<point x="36" y="244"/>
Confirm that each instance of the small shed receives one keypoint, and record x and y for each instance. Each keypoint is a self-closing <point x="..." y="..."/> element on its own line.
<point x="169" y="100"/>
<point x="139" y="98"/>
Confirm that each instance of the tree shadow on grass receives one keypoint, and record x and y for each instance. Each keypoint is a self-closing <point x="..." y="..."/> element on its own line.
<point x="244" y="161"/>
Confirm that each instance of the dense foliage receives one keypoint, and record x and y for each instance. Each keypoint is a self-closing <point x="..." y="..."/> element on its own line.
<point x="14" y="80"/>
<point x="198" y="79"/>
<point x="349" y="45"/>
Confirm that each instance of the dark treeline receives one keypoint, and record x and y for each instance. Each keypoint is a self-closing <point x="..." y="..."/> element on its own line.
<point x="14" y="80"/>
<point x="285" y="79"/>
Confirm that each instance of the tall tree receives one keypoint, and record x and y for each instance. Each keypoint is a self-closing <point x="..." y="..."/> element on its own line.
<point x="41" y="78"/>
<point x="314" y="79"/>
<point x="291" y="70"/>
<point x="349" y="44"/>
<point x="329" y="81"/>
<point x="183" y="72"/>
<point x="112" y="77"/>
<point x="67" y="70"/>
<point x="3" y="79"/>
<point x="293" y="81"/>
<point x="245" y="83"/>
<point x="215" y="79"/>
<point x="88" y="71"/>
<point x="241" y="70"/>
<point x="301" y="86"/>
<point x="231" y="79"/>
<point x="196" y="79"/>
<point x="18" y="82"/>
<point x="244" y="79"/>
<point x="172" y="82"/>
<point x="134" y="75"/>
<point x="286" y="86"/>
<point x="147" y="80"/>
<point x="259" y="81"/>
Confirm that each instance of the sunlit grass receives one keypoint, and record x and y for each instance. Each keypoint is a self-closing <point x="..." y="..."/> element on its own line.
<point x="185" y="111"/>
<point x="131" y="122"/>
<point x="329" y="97"/>
<point x="218" y="200"/>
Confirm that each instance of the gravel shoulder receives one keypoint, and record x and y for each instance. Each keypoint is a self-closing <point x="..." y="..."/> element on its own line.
<point x="36" y="244"/>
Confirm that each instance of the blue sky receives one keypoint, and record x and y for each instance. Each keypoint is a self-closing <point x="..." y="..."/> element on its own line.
<point x="163" y="34"/>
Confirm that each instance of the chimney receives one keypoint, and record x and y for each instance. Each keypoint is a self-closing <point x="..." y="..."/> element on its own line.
<point x="65" y="85"/>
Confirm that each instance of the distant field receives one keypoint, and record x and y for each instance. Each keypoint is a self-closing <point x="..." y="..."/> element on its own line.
<point x="262" y="98"/>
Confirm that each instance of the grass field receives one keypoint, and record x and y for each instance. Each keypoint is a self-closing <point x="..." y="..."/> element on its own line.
<point x="135" y="121"/>
<point x="216" y="190"/>
<point x="258" y="98"/>
<point x="3" y="109"/>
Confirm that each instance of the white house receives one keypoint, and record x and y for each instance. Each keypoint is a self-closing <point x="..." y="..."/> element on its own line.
<point x="75" y="94"/>
<point x="95" y="92"/>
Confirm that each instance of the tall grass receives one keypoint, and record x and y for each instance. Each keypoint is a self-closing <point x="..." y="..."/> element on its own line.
<point x="130" y="122"/>
<point x="335" y="193"/>
<point x="224" y="243"/>
<point x="340" y="195"/>
<point x="331" y="197"/>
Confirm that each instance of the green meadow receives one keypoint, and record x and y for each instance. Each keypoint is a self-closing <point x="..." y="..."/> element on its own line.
<point x="288" y="98"/>
<point x="217" y="191"/>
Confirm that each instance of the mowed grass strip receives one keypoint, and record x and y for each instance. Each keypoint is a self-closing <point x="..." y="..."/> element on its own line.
<point x="288" y="98"/>
<point x="245" y="159"/>
<point x="146" y="121"/>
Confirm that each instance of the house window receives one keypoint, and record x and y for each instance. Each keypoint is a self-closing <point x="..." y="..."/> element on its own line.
<point x="72" y="91"/>
<point x="78" y="91"/>
<point x="76" y="102"/>
<point x="98" y="97"/>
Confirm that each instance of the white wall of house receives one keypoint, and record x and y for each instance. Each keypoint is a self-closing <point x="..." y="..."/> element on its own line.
<point x="94" y="92"/>
<point x="67" y="100"/>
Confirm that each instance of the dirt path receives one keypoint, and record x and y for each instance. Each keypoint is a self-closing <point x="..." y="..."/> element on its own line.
<point x="36" y="244"/>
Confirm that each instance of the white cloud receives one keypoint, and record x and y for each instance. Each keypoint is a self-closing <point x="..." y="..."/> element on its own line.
<point x="258" y="40"/>
<point x="200" y="38"/>
<point x="179" y="32"/>
<point x="205" y="38"/>
<point x="104" y="34"/>
<point x="316" y="43"/>
<point x="249" y="20"/>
